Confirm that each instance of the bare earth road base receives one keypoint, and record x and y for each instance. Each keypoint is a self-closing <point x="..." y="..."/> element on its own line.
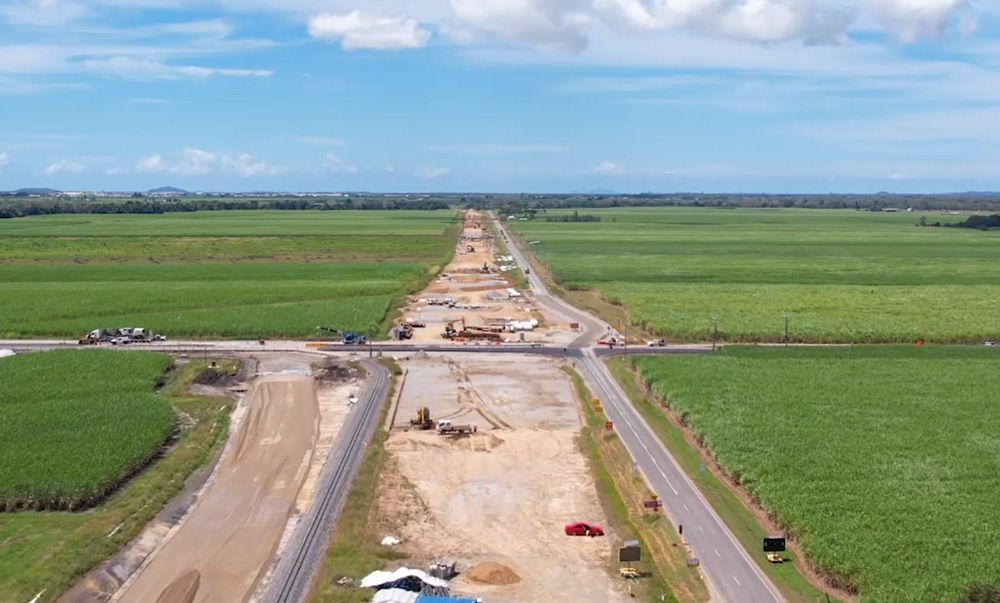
<point x="221" y="549"/>
<point x="496" y="501"/>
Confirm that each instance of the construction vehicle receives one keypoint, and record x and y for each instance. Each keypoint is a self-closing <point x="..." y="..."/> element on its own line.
<point x="98" y="336"/>
<point x="347" y="337"/>
<point x="404" y="332"/>
<point x="423" y="420"/>
<point x="477" y="333"/>
<point x="124" y="335"/>
<point x="446" y="427"/>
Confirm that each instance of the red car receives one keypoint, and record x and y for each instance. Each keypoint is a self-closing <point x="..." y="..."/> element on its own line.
<point x="584" y="529"/>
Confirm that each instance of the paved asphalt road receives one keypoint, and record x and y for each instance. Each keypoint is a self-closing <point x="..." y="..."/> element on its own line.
<point x="732" y="575"/>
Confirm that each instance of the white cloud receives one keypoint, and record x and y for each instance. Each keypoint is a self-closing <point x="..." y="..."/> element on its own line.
<point x="114" y="170"/>
<point x="362" y="30"/>
<point x="192" y="162"/>
<point x="911" y="20"/>
<point x="608" y="168"/>
<point x="749" y="20"/>
<point x="147" y="69"/>
<point x="4" y="161"/>
<point x="551" y="23"/>
<point x="195" y="162"/>
<point x="63" y="166"/>
<point x="335" y="164"/>
<point x="431" y="173"/>
<point x="45" y="13"/>
<point x="154" y="164"/>
<point x="245" y="166"/>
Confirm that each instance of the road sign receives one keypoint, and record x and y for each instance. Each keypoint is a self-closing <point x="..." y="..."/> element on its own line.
<point x="609" y="426"/>
<point x="774" y="544"/>
<point x="630" y="553"/>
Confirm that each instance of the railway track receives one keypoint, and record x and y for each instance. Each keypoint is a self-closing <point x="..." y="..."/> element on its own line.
<point x="292" y="579"/>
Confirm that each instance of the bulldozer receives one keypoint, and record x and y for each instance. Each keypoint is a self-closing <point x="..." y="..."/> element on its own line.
<point x="423" y="420"/>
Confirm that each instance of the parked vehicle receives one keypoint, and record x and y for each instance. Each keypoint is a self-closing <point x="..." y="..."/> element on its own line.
<point x="584" y="529"/>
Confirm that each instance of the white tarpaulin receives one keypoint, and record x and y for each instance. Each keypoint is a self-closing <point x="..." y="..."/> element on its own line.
<point x="394" y="595"/>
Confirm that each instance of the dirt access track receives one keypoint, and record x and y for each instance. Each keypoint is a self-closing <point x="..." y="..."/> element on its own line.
<point x="496" y="501"/>
<point x="480" y="294"/>
<point x="225" y="545"/>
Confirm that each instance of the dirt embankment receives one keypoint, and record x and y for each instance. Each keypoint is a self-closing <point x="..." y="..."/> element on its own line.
<point x="221" y="549"/>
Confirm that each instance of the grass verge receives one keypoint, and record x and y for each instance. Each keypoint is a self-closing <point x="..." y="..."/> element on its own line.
<point x="621" y="492"/>
<point x="744" y="524"/>
<point x="354" y="548"/>
<point x="587" y="299"/>
<point x="48" y="552"/>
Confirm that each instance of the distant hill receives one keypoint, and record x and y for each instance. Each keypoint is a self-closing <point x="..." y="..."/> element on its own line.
<point x="167" y="190"/>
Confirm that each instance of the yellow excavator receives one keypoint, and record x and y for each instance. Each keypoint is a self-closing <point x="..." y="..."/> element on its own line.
<point x="423" y="420"/>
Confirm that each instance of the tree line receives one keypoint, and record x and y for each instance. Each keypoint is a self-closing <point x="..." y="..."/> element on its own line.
<point x="19" y="208"/>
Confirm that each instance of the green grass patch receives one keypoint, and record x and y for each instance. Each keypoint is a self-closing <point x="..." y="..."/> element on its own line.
<point x="603" y="454"/>
<point x="840" y="275"/>
<point x="49" y="551"/>
<point x="883" y="462"/>
<point x="75" y="425"/>
<point x="741" y="520"/>
<point x="241" y="274"/>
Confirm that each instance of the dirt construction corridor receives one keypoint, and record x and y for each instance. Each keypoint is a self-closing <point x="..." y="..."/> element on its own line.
<point x="496" y="501"/>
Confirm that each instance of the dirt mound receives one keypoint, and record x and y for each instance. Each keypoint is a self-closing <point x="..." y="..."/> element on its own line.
<point x="214" y="377"/>
<point x="493" y="573"/>
<point x="337" y="373"/>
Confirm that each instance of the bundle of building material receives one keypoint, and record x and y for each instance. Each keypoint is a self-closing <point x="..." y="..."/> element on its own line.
<point x="412" y="580"/>
<point x="521" y="325"/>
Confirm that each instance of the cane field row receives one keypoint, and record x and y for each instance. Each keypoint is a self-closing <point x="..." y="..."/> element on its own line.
<point x="48" y="552"/>
<point x="76" y="424"/>
<point x="241" y="274"/>
<point x="838" y="275"/>
<point x="883" y="461"/>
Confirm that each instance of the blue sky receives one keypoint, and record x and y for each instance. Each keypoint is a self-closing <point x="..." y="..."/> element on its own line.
<point x="501" y="95"/>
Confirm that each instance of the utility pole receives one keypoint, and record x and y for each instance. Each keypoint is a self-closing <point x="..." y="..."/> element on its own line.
<point x="715" y="332"/>
<point x="371" y="333"/>
<point x="786" y="329"/>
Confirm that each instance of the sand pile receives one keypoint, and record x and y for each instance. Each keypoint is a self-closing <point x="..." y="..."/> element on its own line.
<point x="493" y="573"/>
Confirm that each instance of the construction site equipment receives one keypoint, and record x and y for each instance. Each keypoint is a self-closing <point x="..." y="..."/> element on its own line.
<point x="120" y="336"/>
<point x="444" y="569"/>
<point x="347" y="337"/>
<point x="479" y="336"/>
<point x="446" y="427"/>
<point x="423" y="420"/>
<point x="449" y="331"/>
<point x="405" y="332"/>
